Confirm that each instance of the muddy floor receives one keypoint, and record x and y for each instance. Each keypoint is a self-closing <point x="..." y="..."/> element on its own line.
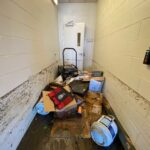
<point x="48" y="134"/>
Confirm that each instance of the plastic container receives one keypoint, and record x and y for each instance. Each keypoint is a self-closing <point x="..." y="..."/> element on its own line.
<point x="104" y="131"/>
<point x="96" y="86"/>
<point x="40" y="109"/>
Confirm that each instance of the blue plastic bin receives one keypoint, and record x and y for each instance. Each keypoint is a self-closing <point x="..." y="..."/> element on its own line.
<point x="96" y="86"/>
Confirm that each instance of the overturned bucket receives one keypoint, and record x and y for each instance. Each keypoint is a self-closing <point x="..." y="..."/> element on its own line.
<point x="104" y="131"/>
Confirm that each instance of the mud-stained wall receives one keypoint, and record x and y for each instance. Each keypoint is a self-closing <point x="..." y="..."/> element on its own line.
<point x="16" y="107"/>
<point x="29" y="54"/>
<point x="79" y="12"/>
<point x="28" y="40"/>
<point x="122" y="38"/>
<point x="132" y="109"/>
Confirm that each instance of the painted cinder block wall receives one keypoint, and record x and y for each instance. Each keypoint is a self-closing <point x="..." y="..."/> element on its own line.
<point x="29" y="56"/>
<point x="122" y="37"/>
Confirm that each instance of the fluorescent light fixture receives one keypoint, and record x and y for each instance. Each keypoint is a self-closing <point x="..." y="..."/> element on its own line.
<point x="55" y="2"/>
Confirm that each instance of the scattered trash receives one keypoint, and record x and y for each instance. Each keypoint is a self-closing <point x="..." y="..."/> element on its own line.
<point x="104" y="131"/>
<point x="100" y="79"/>
<point x="95" y="86"/>
<point x="54" y="85"/>
<point x="76" y="97"/>
<point x="50" y="107"/>
<point x="97" y="74"/>
<point x="94" y="98"/>
<point x="69" y="80"/>
<point x="93" y="106"/>
<point x="86" y="130"/>
<point x="84" y="76"/>
<point x="60" y="97"/>
<point x="66" y="128"/>
<point x="79" y="111"/>
<point x="48" y="104"/>
<point x="79" y="87"/>
<point x="79" y="100"/>
<point x="67" y="88"/>
<point x="67" y="111"/>
<point x="87" y="76"/>
<point x="59" y="80"/>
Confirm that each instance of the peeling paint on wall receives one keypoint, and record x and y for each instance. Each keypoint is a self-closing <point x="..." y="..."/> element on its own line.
<point x="16" y="107"/>
<point x="131" y="108"/>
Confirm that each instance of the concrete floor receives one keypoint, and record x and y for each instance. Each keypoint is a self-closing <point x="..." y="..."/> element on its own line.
<point x="48" y="134"/>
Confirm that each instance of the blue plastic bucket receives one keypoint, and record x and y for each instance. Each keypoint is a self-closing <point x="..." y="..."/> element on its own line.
<point x="104" y="131"/>
<point x="40" y="109"/>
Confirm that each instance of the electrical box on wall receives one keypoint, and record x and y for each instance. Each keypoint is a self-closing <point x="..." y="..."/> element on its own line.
<point x="147" y="57"/>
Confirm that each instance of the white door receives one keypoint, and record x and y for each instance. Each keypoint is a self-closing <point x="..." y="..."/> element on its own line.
<point x="73" y="37"/>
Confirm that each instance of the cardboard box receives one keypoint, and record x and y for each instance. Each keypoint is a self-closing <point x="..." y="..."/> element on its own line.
<point x="98" y="78"/>
<point x="48" y="104"/>
<point x="87" y="76"/>
<point x="50" y="107"/>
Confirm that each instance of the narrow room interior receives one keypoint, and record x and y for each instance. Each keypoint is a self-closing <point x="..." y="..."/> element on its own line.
<point x="74" y="74"/>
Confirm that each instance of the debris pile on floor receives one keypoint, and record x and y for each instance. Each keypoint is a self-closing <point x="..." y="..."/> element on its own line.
<point x="77" y="98"/>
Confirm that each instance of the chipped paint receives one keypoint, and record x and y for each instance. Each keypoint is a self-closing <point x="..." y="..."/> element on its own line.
<point x="123" y="85"/>
<point x="16" y="107"/>
<point x="131" y="108"/>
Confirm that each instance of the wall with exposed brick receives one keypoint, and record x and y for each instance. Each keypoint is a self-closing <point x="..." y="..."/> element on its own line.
<point x="29" y="56"/>
<point x="122" y="37"/>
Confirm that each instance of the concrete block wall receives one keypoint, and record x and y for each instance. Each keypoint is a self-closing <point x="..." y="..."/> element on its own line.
<point x="122" y="38"/>
<point x="29" y="55"/>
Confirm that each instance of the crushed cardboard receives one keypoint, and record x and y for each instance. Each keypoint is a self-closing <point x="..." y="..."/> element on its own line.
<point x="101" y="79"/>
<point x="93" y="106"/>
<point x="49" y="105"/>
<point x="59" y="80"/>
<point x="90" y="107"/>
<point x="87" y="76"/>
<point x="67" y="111"/>
<point x="86" y="130"/>
<point x="66" y="128"/>
<point x="67" y="88"/>
<point x="96" y="109"/>
<point x="94" y="98"/>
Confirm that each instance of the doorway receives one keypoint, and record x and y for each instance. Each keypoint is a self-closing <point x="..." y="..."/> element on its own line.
<point x="73" y="37"/>
<point x="73" y="14"/>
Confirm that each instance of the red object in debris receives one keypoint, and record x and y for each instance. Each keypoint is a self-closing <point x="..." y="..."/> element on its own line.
<point x="60" y="97"/>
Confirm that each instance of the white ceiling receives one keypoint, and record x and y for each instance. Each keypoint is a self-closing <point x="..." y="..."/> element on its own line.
<point x="76" y="1"/>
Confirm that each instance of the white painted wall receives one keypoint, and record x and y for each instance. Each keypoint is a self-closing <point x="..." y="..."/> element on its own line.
<point x="28" y="45"/>
<point x="79" y="12"/>
<point x="122" y="38"/>
<point x="28" y="40"/>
